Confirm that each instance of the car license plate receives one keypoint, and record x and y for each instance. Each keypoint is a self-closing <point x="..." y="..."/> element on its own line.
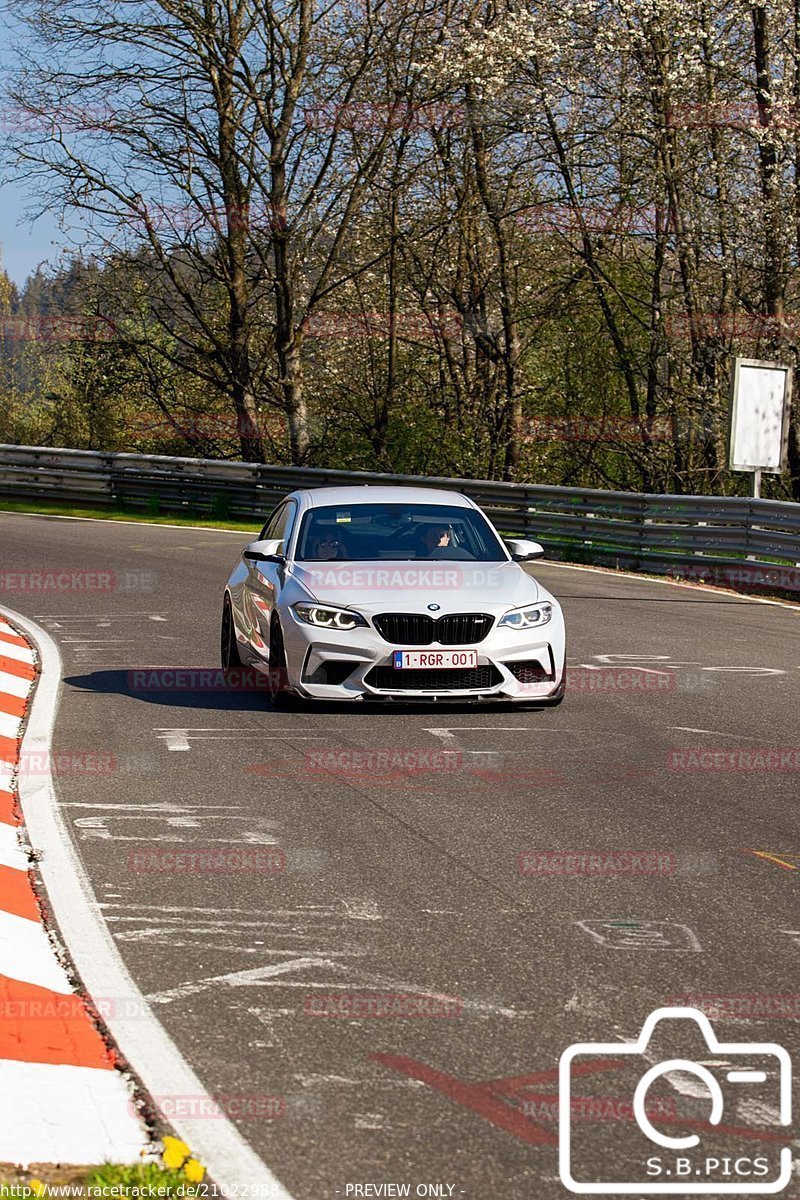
<point x="447" y="659"/>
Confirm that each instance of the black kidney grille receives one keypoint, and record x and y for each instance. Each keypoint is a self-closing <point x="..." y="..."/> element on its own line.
<point x="435" y="678"/>
<point x="407" y="629"/>
<point x="415" y="629"/>
<point x="460" y="629"/>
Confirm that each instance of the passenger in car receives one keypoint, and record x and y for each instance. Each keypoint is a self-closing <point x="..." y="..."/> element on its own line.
<point x="328" y="546"/>
<point x="432" y="539"/>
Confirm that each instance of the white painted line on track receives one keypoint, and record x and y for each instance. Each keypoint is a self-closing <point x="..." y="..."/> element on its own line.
<point x="448" y="733"/>
<point x="721" y="593"/>
<point x="740" y="737"/>
<point x="231" y="1162"/>
<point x="245" y="978"/>
<point x="176" y="739"/>
<point x="240" y="533"/>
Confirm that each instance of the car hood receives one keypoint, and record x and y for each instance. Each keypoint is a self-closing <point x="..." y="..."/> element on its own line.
<point x="457" y="587"/>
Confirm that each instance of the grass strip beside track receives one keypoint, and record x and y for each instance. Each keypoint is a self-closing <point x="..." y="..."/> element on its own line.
<point x="46" y="508"/>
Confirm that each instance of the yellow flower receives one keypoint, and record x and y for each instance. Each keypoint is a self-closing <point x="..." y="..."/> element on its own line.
<point x="37" y="1187"/>
<point x="175" y="1153"/>
<point x="194" y="1171"/>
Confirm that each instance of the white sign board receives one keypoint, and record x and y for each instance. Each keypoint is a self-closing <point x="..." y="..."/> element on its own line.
<point x="759" y="430"/>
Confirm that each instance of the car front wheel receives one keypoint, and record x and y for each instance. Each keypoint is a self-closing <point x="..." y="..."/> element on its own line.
<point x="278" y="675"/>
<point x="229" y="650"/>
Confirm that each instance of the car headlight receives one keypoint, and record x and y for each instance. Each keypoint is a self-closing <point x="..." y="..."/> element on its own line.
<point x="327" y="617"/>
<point x="527" y="617"/>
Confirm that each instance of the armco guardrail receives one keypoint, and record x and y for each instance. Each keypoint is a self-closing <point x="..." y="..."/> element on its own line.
<point x="745" y="544"/>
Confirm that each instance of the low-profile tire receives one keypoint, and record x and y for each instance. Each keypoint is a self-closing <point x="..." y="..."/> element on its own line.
<point x="229" y="649"/>
<point x="282" y="697"/>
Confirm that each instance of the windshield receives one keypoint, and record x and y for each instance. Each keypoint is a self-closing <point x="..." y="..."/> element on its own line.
<point x="397" y="533"/>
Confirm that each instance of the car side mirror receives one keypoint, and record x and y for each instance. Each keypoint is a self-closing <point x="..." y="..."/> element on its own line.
<point x="267" y="551"/>
<point x="522" y="550"/>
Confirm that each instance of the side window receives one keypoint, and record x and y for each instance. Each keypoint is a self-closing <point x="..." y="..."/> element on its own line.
<point x="279" y="526"/>
<point x="288" y="522"/>
<point x="266" y="533"/>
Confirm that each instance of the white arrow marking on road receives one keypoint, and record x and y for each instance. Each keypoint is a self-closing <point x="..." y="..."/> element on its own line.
<point x="717" y="733"/>
<point x="176" y="739"/>
<point x="448" y="733"/>
<point x="238" y="978"/>
<point x="179" y="738"/>
<point x="148" y="808"/>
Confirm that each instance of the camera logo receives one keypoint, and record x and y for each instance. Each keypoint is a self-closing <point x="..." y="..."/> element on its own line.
<point x="726" y="1154"/>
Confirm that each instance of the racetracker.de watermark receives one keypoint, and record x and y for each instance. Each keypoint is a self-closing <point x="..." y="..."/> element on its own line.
<point x="234" y="1106"/>
<point x="596" y="429"/>
<point x="687" y="326"/>
<point x="733" y="114"/>
<point x="207" y="426"/>
<point x="363" y="116"/>
<point x="747" y="760"/>
<point x="380" y="1004"/>
<point x="775" y="578"/>
<point x="206" y="860"/>
<point x="624" y="863"/>
<point x="601" y="1108"/>
<point x="592" y="218"/>
<point x="66" y="762"/>
<point x="201" y="679"/>
<point x="390" y="578"/>
<point x="606" y="680"/>
<point x="78" y="582"/>
<point x="750" y="1006"/>
<point x="419" y="326"/>
<point x="58" y="329"/>
<point x="78" y="118"/>
<point x="381" y="761"/>
<point x="199" y="218"/>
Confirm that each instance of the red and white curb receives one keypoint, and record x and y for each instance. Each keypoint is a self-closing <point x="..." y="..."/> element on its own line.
<point x="61" y="1097"/>
<point x="87" y="1115"/>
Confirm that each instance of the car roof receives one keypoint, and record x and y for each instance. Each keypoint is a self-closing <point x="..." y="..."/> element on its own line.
<point x="366" y="494"/>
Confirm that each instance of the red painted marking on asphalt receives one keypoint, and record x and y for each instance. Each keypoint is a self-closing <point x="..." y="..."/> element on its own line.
<point x="478" y="1097"/>
<point x="16" y="894"/>
<point x="518" y="1083"/>
<point x="40" y="1026"/>
<point x="483" y="1098"/>
<point x="12" y="666"/>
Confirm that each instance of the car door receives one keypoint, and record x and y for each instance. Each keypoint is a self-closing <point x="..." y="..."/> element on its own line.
<point x="265" y="580"/>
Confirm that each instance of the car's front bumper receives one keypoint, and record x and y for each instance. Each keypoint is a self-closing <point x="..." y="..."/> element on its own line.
<point x="314" y="655"/>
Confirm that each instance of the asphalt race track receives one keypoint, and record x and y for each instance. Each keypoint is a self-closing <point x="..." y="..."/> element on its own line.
<point x="409" y="881"/>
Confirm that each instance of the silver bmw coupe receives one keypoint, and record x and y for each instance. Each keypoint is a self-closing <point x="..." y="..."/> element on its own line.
<point x="395" y="593"/>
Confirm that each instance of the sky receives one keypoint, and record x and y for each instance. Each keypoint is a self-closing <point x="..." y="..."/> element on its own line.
<point x="23" y="246"/>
